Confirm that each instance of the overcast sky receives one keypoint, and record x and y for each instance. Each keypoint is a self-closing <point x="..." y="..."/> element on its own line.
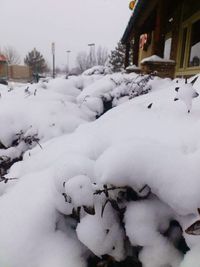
<point x="71" y="24"/>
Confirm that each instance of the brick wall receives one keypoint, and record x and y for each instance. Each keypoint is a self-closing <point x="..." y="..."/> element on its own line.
<point x="19" y="72"/>
<point x="162" y="69"/>
<point x="3" y="69"/>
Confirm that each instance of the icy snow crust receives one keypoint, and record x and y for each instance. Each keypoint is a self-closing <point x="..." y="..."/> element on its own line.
<point x="130" y="145"/>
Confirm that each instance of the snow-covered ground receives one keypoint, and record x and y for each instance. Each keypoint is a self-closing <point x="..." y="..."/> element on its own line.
<point x="114" y="185"/>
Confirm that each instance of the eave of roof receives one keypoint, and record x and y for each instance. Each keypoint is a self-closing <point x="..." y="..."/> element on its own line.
<point x="141" y="6"/>
<point x="132" y="22"/>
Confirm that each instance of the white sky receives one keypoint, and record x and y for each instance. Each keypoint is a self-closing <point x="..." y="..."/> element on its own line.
<point x="71" y="24"/>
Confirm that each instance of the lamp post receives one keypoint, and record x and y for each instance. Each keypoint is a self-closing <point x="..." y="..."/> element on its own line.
<point x="68" y="54"/>
<point x="92" y="53"/>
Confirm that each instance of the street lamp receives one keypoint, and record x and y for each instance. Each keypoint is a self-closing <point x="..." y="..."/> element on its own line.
<point x="68" y="54"/>
<point x="92" y="54"/>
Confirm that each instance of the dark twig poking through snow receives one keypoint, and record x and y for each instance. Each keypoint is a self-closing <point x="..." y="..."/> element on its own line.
<point x="150" y="106"/>
<point x="194" y="229"/>
<point x="5" y="179"/>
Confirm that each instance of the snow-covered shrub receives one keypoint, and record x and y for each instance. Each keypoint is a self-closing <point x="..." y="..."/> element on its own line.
<point x="119" y="191"/>
<point x="34" y="113"/>
<point x="112" y="90"/>
<point x="98" y="70"/>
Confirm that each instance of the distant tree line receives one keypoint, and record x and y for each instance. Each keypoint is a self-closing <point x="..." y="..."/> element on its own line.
<point x="84" y="60"/>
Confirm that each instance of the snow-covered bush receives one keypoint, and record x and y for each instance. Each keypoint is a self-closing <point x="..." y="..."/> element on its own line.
<point x="98" y="70"/>
<point x="113" y="90"/>
<point x="32" y="114"/>
<point x="122" y="190"/>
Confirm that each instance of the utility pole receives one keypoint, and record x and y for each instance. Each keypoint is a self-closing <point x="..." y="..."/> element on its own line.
<point x="53" y="54"/>
<point x="35" y="69"/>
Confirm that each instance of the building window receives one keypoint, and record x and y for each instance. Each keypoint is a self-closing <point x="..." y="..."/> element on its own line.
<point x="188" y="57"/>
<point x="167" y="48"/>
<point x="184" y="39"/>
<point x="194" y="54"/>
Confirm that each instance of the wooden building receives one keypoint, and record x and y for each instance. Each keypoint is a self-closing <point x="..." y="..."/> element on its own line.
<point x="169" y="29"/>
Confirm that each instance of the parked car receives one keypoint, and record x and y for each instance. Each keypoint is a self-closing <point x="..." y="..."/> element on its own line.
<point x="3" y="81"/>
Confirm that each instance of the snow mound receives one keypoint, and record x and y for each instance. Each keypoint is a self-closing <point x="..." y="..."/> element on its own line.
<point x="98" y="70"/>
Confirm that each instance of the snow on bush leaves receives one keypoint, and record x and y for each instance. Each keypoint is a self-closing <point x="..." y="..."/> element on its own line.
<point x="113" y="90"/>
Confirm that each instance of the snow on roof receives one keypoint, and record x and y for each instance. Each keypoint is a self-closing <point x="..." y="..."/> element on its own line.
<point x="3" y="58"/>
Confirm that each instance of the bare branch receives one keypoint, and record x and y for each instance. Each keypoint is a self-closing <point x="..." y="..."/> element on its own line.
<point x="12" y="55"/>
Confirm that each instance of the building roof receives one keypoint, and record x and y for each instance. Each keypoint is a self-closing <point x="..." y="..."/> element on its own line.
<point x="3" y="58"/>
<point x="142" y="7"/>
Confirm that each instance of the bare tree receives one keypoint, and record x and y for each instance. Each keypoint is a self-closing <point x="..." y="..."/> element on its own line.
<point x="83" y="61"/>
<point x="101" y="55"/>
<point x="12" y="55"/>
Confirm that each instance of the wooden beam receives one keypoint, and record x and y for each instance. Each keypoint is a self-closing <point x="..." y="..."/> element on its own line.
<point x="146" y="13"/>
<point x="175" y="31"/>
<point x="136" y="49"/>
<point x="142" y="19"/>
<point x="126" y="63"/>
<point x="160" y="29"/>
